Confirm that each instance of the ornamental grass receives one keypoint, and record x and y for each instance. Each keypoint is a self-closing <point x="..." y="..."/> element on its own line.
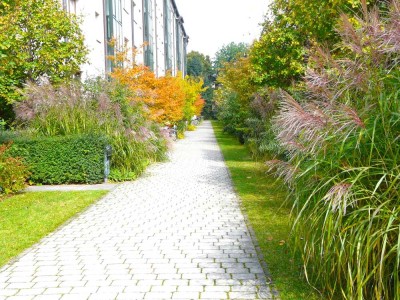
<point x="342" y="143"/>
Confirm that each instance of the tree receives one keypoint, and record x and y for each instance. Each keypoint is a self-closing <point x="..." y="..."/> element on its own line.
<point x="193" y="101"/>
<point x="196" y="64"/>
<point x="279" y="56"/>
<point x="170" y="100"/>
<point x="37" y="40"/>
<point x="199" y="65"/>
<point x="229" y="53"/>
<point x="236" y="76"/>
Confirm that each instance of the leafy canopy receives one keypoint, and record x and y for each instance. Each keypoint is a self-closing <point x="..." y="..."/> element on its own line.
<point x="229" y="53"/>
<point x="200" y="66"/>
<point x="37" y="40"/>
<point x="279" y="57"/>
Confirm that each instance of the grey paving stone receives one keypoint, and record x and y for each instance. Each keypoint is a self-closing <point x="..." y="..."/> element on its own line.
<point x="244" y="276"/>
<point x="103" y="296"/>
<point x="202" y="282"/>
<point x="20" y="297"/>
<point x="214" y="295"/>
<point x="175" y="233"/>
<point x="243" y="295"/>
<point x="164" y="288"/>
<point x="46" y="284"/>
<point x="219" y="276"/>
<point x="194" y="276"/>
<point x="20" y="285"/>
<point x="47" y="297"/>
<point x="186" y="295"/>
<point x="179" y="282"/>
<point x="244" y="288"/>
<point x="130" y="296"/>
<point x="8" y="292"/>
<point x="217" y="288"/>
<point x="81" y="296"/>
<point x="231" y="282"/>
<point x="158" y="295"/>
<point x="57" y="291"/>
<point x="137" y="289"/>
<point x="30" y="292"/>
<point x="191" y="288"/>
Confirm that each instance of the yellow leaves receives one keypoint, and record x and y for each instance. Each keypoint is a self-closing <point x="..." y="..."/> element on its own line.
<point x="194" y="103"/>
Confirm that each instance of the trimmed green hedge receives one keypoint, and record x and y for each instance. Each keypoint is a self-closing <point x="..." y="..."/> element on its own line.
<point x="61" y="160"/>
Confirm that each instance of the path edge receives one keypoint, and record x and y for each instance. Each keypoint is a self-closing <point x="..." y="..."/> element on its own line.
<point x="260" y="256"/>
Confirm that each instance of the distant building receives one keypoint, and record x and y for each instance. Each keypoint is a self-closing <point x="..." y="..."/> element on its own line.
<point x="156" y="24"/>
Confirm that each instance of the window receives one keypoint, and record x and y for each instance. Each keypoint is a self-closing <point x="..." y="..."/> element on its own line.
<point x="178" y="45"/>
<point x="133" y="24"/>
<point x="184" y="68"/>
<point x="168" y="34"/>
<point x="148" y="33"/>
<point x="114" y="29"/>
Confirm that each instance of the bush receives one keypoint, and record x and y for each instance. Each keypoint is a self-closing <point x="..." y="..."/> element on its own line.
<point x="343" y="167"/>
<point x="96" y="107"/>
<point x="61" y="160"/>
<point x="13" y="172"/>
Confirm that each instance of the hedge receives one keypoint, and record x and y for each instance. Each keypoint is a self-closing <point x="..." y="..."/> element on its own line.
<point x="62" y="160"/>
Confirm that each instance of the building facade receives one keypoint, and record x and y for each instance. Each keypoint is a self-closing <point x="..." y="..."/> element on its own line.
<point x="153" y="27"/>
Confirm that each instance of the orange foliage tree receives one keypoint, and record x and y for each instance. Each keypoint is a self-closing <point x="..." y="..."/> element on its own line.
<point x="199" y="105"/>
<point x="169" y="99"/>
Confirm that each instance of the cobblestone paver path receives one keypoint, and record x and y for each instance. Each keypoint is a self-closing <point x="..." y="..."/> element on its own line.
<point x="175" y="233"/>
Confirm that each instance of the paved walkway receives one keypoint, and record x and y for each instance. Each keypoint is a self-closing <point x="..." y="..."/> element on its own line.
<point x="176" y="233"/>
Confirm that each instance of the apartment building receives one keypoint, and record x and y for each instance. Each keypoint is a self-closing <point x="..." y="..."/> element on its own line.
<point x="153" y="27"/>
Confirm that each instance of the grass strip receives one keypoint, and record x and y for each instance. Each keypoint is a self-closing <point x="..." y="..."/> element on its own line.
<point x="28" y="217"/>
<point x="263" y="201"/>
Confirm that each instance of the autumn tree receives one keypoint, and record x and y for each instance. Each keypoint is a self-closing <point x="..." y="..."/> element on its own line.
<point x="193" y="101"/>
<point x="237" y="77"/>
<point x="37" y="40"/>
<point x="170" y="99"/>
<point x="200" y="66"/>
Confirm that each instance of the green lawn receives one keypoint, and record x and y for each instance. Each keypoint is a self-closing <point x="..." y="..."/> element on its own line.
<point x="28" y="217"/>
<point x="263" y="201"/>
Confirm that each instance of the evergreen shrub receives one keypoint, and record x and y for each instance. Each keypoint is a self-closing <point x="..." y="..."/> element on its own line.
<point x="62" y="159"/>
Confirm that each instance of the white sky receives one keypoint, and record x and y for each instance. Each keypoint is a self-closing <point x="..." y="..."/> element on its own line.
<point x="210" y="24"/>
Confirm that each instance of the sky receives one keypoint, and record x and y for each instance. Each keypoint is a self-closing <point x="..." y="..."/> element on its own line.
<point x="211" y="24"/>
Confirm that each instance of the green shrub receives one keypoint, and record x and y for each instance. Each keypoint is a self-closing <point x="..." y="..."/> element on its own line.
<point x="13" y="172"/>
<point x="96" y="107"/>
<point x="64" y="159"/>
